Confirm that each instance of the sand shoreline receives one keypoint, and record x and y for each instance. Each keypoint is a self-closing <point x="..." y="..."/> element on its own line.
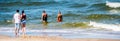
<point x="49" y="38"/>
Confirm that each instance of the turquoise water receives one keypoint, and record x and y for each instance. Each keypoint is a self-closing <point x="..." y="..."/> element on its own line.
<point x="86" y="18"/>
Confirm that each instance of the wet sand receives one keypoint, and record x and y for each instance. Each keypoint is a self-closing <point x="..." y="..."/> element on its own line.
<point x="49" y="38"/>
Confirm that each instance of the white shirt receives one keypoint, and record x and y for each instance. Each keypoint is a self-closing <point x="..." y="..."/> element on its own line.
<point x="17" y="18"/>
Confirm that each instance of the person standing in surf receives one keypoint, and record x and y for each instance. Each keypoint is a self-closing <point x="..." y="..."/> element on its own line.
<point x="44" y="16"/>
<point x="59" y="17"/>
<point x="16" y="19"/>
<point x="23" y="22"/>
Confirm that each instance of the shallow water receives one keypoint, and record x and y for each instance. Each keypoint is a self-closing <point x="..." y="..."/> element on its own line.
<point x="66" y="33"/>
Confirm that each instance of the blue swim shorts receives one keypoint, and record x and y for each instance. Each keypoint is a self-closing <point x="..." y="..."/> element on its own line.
<point x="23" y="22"/>
<point x="17" y="25"/>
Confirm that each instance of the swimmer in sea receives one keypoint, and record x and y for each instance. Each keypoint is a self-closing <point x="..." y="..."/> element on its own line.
<point x="59" y="17"/>
<point x="44" y="16"/>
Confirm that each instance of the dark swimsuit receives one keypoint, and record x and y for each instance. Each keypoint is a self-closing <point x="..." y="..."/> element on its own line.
<point x="44" y="18"/>
<point x="23" y="19"/>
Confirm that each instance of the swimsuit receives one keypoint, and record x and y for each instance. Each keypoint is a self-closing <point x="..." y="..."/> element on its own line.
<point x="60" y="18"/>
<point x="44" y="18"/>
<point x="23" y="19"/>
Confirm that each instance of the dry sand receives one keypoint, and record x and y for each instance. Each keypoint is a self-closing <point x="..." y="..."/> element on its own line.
<point x="49" y="38"/>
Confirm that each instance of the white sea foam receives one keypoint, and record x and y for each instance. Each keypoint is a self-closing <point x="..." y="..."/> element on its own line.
<point x="114" y="11"/>
<point x="106" y="26"/>
<point x="11" y="30"/>
<point x="113" y="4"/>
<point x="67" y="33"/>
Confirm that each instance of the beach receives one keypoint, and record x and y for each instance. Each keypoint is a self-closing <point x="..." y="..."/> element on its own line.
<point x="50" y="38"/>
<point x="83" y="20"/>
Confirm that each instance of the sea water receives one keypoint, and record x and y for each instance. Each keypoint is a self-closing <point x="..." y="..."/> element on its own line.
<point x="81" y="18"/>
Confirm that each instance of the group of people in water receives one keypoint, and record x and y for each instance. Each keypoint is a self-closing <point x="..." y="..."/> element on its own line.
<point x="44" y="16"/>
<point x="20" y="20"/>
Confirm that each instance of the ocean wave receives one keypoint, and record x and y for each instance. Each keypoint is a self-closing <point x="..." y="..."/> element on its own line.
<point x="103" y="16"/>
<point x="68" y="16"/>
<point x="81" y="5"/>
<point x="114" y="11"/>
<point x="98" y="7"/>
<point x="10" y="1"/>
<point x="76" y="24"/>
<point x="78" y="5"/>
<point x="106" y="26"/>
<point x="71" y="14"/>
<point x="113" y="4"/>
<point x="98" y="4"/>
<point x="26" y="4"/>
<point x="66" y="33"/>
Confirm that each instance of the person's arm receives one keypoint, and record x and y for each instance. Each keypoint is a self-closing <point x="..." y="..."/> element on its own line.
<point x="42" y="17"/>
<point x="19" y="16"/>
